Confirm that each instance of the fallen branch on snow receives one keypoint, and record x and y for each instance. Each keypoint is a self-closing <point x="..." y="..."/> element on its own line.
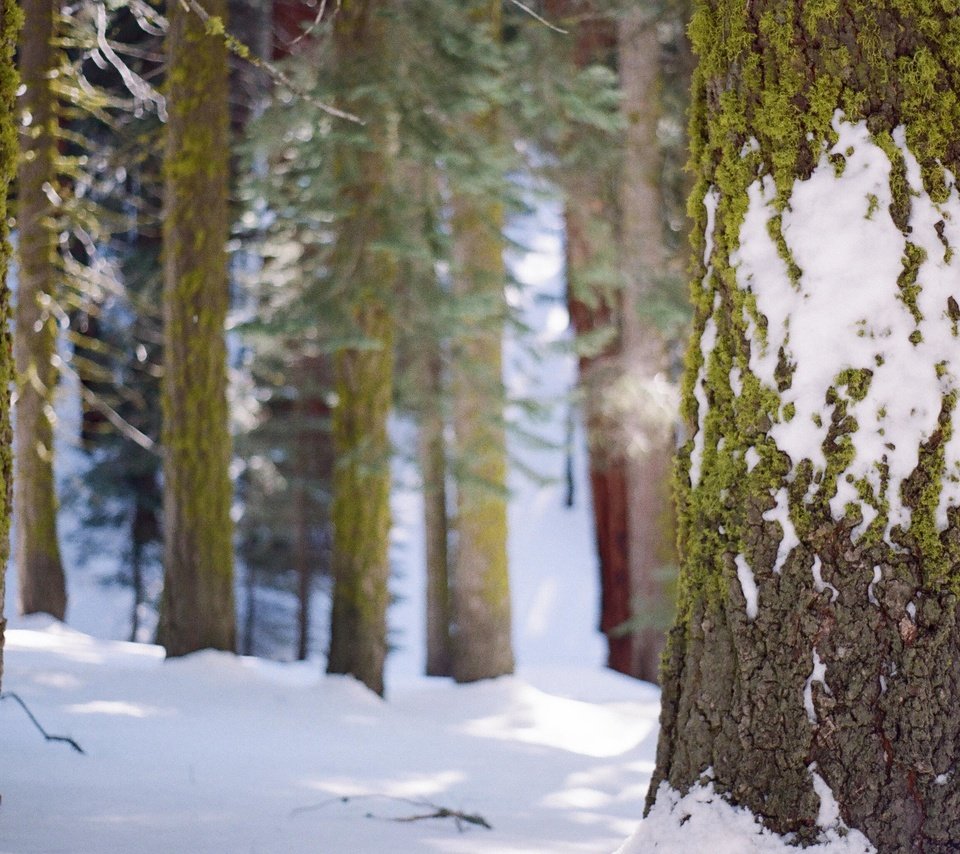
<point x="6" y="695"/>
<point x="460" y="819"/>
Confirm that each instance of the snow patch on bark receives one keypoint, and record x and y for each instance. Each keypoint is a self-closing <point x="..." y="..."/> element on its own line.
<point x="780" y="513"/>
<point x="819" y="584"/>
<point x="846" y="311"/>
<point x="749" y="586"/>
<point x="702" y="820"/>
<point x="818" y="674"/>
<point x="708" y="340"/>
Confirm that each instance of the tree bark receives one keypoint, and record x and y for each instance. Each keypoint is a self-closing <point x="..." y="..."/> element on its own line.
<point x="817" y="644"/>
<point x="198" y="601"/>
<point x="481" y="588"/>
<point x="39" y="566"/>
<point x="433" y="464"/>
<point x="10" y="22"/>
<point x="364" y="375"/>
<point x="650" y="449"/>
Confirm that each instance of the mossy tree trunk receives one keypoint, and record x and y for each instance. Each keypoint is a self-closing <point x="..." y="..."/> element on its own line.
<point x="37" y="555"/>
<point x="482" y="645"/>
<point x="197" y="610"/>
<point x="367" y="272"/>
<point x="816" y="654"/>
<point x="433" y="466"/>
<point x="10" y="21"/>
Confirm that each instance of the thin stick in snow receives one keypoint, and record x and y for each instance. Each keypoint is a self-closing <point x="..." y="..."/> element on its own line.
<point x="6" y="695"/>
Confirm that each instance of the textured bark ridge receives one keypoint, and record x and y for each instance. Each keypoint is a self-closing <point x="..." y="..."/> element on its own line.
<point x="817" y="644"/>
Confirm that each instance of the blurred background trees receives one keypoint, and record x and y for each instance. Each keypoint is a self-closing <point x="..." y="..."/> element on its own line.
<point x="379" y="152"/>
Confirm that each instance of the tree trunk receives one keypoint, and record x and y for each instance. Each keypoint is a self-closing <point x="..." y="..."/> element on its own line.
<point x="198" y="603"/>
<point x="40" y="570"/>
<point x="816" y="654"/>
<point x="651" y="421"/>
<point x="364" y="375"/>
<point x="481" y="587"/>
<point x="433" y="464"/>
<point x="10" y="21"/>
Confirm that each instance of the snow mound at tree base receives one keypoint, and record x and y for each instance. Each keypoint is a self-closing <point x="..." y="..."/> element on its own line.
<point x="702" y="820"/>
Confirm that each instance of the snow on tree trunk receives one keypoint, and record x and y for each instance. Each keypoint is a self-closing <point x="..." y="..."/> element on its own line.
<point x="37" y="550"/>
<point x="364" y="375"/>
<point x="10" y="21"/>
<point x="813" y="673"/>
<point x="197" y="610"/>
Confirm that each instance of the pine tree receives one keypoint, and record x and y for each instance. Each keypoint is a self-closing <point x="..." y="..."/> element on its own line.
<point x="482" y="645"/>
<point x="363" y="371"/>
<point x="10" y="21"/>
<point x="39" y="566"/>
<point x="197" y="610"/>
<point x="815" y="652"/>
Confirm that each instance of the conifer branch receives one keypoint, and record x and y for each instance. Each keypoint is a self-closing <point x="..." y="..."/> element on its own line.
<point x="7" y="695"/>
<point x="316" y="22"/>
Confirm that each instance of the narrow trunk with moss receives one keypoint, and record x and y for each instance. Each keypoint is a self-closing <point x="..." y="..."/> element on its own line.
<point x="10" y="21"/>
<point x="367" y="273"/>
<point x="651" y="417"/>
<point x="433" y="466"/>
<point x="813" y="673"/>
<point x="481" y="588"/>
<point x="37" y="550"/>
<point x="197" y="610"/>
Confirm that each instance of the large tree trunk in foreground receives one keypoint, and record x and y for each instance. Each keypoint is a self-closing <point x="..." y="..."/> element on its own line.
<point x="39" y="568"/>
<point x="197" y="609"/>
<point x="816" y="655"/>
<point x="364" y="376"/>
<point x="10" y="20"/>
<point x="482" y="646"/>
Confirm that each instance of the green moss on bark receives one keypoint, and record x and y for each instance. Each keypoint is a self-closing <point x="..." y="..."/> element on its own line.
<point x="41" y="578"/>
<point x="197" y="610"/>
<point x="772" y="76"/>
<point x="11" y="20"/>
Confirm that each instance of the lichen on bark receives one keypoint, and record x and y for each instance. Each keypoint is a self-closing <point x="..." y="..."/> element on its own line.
<point x="787" y="98"/>
<point x="366" y="272"/>
<point x="11" y="19"/>
<point x="42" y="584"/>
<point x="197" y="608"/>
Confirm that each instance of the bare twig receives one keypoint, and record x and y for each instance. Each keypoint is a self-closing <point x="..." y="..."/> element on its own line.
<point x="238" y="48"/>
<point x="316" y="23"/>
<point x="7" y="695"/>
<point x="460" y="818"/>
<point x="537" y="17"/>
<point x="115" y="418"/>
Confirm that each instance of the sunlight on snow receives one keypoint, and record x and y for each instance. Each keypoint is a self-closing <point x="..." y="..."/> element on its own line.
<point x="118" y="707"/>
<point x="571" y="725"/>
<point x="414" y="786"/>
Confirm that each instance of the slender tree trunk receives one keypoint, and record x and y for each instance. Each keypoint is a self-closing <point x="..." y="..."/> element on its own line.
<point x="302" y="552"/>
<point x="363" y="376"/>
<point x="198" y="604"/>
<point x="39" y="567"/>
<point x="813" y="673"/>
<point x="433" y="464"/>
<point x="650" y="449"/>
<point x="481" y="587"/>
<point x="10" y="21"/>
